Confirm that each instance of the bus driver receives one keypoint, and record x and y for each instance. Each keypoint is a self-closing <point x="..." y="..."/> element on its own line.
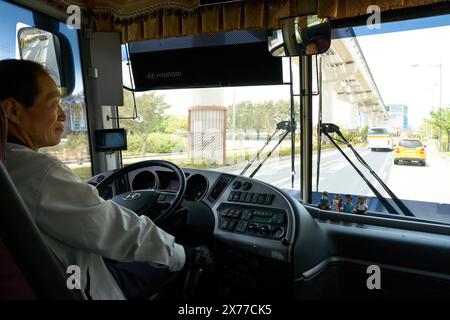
<point x="79" y="226"/>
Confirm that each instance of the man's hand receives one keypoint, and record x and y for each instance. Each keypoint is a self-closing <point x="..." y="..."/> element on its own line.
<point x="198" y="260"/>
<point x="198" y="257"/>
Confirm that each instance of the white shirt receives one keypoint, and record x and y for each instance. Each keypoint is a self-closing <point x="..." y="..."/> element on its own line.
<point x="362" y="206"/>
<point x="81" y="228"/>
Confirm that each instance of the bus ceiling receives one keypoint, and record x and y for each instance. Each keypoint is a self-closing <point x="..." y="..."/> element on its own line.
<point x="154" y="19"/>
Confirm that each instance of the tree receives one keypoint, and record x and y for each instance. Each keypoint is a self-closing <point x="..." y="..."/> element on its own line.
<point x="152" y="108"/>
<point x="175" y="124"/>
<point x="447" y="126"/>
<point x="261" y="117"/>
<point x="441" y="119"/>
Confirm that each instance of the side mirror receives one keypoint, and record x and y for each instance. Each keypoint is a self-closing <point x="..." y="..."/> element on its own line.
<point x="46" y="48"/>
<point x="300" y="36"/>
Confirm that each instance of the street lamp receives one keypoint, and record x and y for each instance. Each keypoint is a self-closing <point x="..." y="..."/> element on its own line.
<point x="440" y="91"/>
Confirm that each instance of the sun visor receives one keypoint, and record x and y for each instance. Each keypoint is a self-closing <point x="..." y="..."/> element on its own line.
<point x="238" y="58"/>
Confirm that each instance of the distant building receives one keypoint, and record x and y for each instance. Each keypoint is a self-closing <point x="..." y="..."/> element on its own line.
<point x="398" y="117"/>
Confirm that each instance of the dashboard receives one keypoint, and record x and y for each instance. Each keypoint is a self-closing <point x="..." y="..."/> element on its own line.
<point x="243" y="213"/>
<point x="242" y="209"/>
<point x="267" y="244"/>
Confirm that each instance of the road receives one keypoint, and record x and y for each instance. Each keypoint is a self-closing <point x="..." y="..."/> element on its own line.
<point x="408" y="181"/>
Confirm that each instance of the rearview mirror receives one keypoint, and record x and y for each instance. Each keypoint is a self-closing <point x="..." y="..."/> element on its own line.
<point x="46" y="48"/>
<point x="300" y="36"/>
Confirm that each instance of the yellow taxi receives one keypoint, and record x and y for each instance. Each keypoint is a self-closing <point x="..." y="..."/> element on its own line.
<point x="410" y="150"/>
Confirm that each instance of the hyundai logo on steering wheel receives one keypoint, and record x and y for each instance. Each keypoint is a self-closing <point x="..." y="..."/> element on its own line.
<point x="131" y="196"/>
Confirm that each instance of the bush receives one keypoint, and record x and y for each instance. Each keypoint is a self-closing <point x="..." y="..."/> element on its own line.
<point x="134" y="143"/>
<point x="165" y="143"/>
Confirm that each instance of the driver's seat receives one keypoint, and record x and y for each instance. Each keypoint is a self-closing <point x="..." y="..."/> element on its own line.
<point x="28" y="269"/>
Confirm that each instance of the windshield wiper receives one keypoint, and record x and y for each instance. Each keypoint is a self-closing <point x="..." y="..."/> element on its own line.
<point x="328" y="128"/>
<point x="281" y="126"/>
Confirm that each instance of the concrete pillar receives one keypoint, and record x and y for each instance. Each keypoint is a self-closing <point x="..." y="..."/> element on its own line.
<point x="328" y="98"/>
<point x="207" y="127"/>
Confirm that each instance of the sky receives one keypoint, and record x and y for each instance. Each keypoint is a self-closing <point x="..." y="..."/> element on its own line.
<point x="406" y="68"/>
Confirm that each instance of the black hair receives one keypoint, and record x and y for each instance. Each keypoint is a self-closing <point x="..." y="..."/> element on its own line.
<point x="18" y="80"/>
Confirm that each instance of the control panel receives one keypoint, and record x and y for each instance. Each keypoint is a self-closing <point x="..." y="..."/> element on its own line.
<point x="256" y="221"/>
<point x="251" y="197"/>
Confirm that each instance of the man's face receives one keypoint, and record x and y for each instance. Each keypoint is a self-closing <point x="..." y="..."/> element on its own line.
<point x="43" y="123"/>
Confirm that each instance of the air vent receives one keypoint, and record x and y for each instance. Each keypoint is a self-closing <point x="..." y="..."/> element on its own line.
<point x="219" y="186"/>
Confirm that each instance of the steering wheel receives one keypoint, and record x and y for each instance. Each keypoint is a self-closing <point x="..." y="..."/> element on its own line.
<point x="145" y="201"/>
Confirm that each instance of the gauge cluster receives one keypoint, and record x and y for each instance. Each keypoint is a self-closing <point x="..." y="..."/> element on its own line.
<point x="196" y="185"/>
<point x="196" y="188"/>
<point x="144" y="180"/>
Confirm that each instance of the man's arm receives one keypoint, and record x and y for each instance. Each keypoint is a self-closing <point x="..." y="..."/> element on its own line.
<point x="73" y="213"/>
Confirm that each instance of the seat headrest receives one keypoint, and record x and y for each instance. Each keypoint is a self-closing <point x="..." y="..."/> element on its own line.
<point x="3" y="134"/>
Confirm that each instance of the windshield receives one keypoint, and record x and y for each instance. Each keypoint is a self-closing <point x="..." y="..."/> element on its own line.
<point x="221" y="129"/>
<point x="410" y="143"/>
<point x="381" y="86"/>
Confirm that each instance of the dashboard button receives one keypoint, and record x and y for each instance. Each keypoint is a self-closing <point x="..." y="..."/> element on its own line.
<point x="224" y="224"/>
<point x="247" y="214"/>
<point x="237" y="213"/>
<point x="237" y="195"/>
<point x="236" y="185"/>
<point x="252" y="227"/>
<point x="269" y="199"/>
<point x="242" y="226"/>
<point x="230" y="212"/>
<point x="265" y="229"/>
<point x="243" y="197"/>
<point x="246" y="186"/>
<point x="231" y="224"/>
<point x="249" y="197"/>
<point x="277" y="232"/>
<point x="261" y="198"/>
<point x="231" y="196"/>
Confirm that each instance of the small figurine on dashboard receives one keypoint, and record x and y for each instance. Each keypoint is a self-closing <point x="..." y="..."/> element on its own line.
<point x="323" y="204"/>
<point x="348" y="205"/>
<point x="361" y="206"/>
<point x="336" y="205"/>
